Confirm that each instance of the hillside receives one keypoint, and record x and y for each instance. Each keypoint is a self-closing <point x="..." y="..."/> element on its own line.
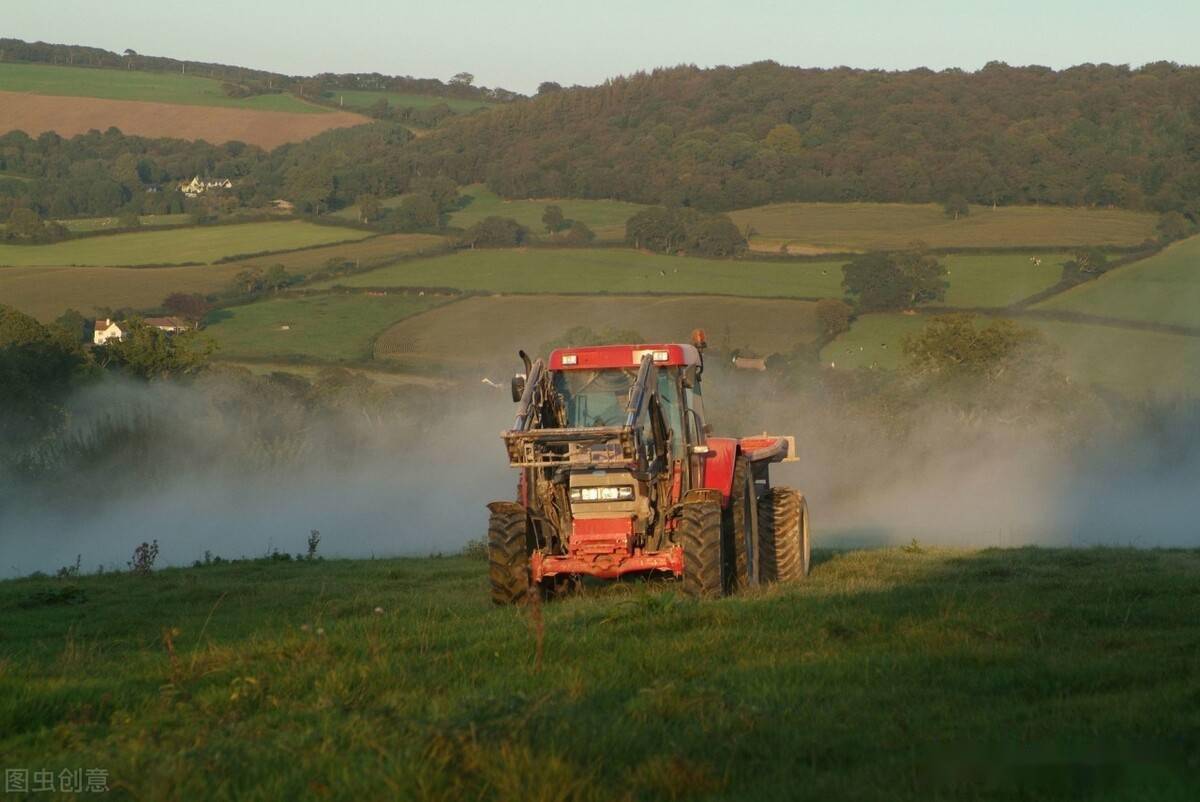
<point x="889" y="674"/>
<point x="728" y="138"/>
<point x="36" y="98"/>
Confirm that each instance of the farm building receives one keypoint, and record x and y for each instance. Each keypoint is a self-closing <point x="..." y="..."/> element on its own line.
<point x="197" y="187"/>
<point x="105" y="329"/>
<point x="749" y="363"/>
<point x="171" y="325"/>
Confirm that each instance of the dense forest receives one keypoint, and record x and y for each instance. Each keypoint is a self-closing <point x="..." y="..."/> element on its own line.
<point x="713" y="140"/>
<point x="107" y="173"/>
<point x="728" y="138"/>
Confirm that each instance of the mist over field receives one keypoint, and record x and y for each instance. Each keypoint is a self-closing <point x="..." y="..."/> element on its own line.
<point x="216" y="468"/>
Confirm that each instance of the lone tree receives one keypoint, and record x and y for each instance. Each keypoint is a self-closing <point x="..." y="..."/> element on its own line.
<point x="834" y="316"/>
<point x="189" y="306"/>
<point x="956" y="206"/>
<point x="579" y="234"/>
<point x="881" y="281"/>
<point x="369" y="208"/>
<point x="553" y="219"/>
<point x="495" y="232"/>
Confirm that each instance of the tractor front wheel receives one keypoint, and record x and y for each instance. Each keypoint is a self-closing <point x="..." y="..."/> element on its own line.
<point x="783" y="535"/>
<point x="699" y="533"/>
<point x="508" y="553"/>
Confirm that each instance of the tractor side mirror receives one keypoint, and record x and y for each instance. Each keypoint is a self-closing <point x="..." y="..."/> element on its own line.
<point x="518" y="387"/>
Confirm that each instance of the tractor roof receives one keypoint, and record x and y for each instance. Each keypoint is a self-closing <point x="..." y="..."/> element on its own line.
<point x="599" y="357"/>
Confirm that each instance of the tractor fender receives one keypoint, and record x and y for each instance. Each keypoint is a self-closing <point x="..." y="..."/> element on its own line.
<point x="718" y="465"/>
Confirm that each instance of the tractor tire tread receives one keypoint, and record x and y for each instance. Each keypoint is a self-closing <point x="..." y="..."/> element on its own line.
<point x="783" y="533"/>
<point x="699" y="533"/>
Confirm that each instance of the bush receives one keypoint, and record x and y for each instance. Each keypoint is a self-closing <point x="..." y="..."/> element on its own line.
<point x="579" y="234"/>
<point x="495" y="232"/>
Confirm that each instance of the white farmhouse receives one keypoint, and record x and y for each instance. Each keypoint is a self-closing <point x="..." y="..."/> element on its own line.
<point x="105" y="330"/>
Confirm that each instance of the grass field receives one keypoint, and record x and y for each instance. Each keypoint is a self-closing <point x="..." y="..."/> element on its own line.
<point x="875" y="226"/>
<point x="483" y="334"/>
<point x="45" y="292"/>
<point x="204" y="245"/>
<point x="975" y="279"/>
<point x="355" y="99"/>
<point x="886" y="675"/>
<point x="156" y="87"/>
<point x="1162" y="289"/>
<point x="327" y="328"/>
<point x="605" y="217"/>
<point x="1135" y="363"/>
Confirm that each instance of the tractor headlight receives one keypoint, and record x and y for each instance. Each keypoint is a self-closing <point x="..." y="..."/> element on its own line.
<point x="608" y="493"/>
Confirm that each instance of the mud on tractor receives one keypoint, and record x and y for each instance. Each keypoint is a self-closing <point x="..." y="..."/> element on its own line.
<point x="620" y="474"/>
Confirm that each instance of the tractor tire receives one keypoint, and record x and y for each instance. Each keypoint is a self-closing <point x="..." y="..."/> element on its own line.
<point x="508" y="556"/>
<point x="699" y="533"/>
<point x="741" y="516"/>
<point x="783" y="535"/>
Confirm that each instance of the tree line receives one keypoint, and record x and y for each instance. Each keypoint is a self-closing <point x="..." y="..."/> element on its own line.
<point x="244" y="81"/>
<point x="727" y="138"/>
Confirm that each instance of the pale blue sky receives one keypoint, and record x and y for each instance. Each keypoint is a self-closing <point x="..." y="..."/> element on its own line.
<point x="518" y="43"/>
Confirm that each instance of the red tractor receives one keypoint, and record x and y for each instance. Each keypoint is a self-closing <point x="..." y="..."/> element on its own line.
<point x="620" y="475"/>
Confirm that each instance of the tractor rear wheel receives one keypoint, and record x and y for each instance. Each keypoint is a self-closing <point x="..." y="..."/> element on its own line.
<point x="783" y="535"/>
<point x="699" y="533"/>
<point x="741" y="522"/>
<point x="508" y="555"/>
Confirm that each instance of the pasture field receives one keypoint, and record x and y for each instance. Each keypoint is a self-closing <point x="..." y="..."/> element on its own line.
<point x="484" y="333"/>
<point x="605" y="217"/>
<point x="1134" y="363"/>
<point x="68" y="116"/>
<point x="325" y="328"/>
<point x="45" y="292"/>
<point x="975" y="279"/>
<point x="889" y="226"/>
<point x="155" y="87"/>
<point x="204" y="244"/>
<point x="888" y="674"/>
<point x="361" y="99"/>
<point x="1162" y="289"/>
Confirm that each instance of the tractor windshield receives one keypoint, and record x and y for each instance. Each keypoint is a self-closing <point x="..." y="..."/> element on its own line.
<point x="595" y="397"/>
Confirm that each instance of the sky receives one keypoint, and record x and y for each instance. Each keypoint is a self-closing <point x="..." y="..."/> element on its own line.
<point x="519" y="43"/>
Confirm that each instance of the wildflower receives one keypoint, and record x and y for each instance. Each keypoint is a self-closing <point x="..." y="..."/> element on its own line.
<point x="320" y="631"/>
<point x="378" y="611"/>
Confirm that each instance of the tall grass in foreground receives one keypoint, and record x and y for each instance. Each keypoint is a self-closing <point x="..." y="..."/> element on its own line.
<point x="889" y="674"/>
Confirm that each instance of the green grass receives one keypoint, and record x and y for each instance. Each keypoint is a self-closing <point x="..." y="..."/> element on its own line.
<point x="874" y="226"/>
<point x="1134" y="363"/>
<point x="998" y="279"/>
<point x="1162" y="289"/>
<point x="354" y="100"/>
<point x="613" y="270"/>
<point x="494" y="327"/>
<point x="605" y="217"/>
<point x="975" y="279"/>
<point x="886" y="675"/>
<point x="202" y="244"/>
<point x="328" y="328"/>
<point x="158" y="87"/>
<point x="46" y="291"/>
